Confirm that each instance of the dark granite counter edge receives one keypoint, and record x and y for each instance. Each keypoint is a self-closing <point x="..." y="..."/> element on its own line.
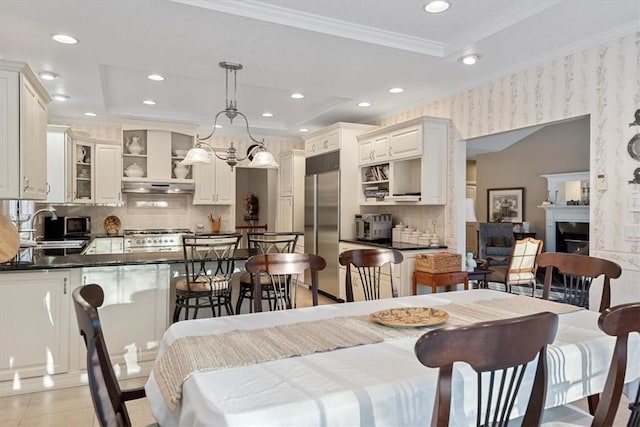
<point x="388" y="244"/>
<point x="80" y="261"/>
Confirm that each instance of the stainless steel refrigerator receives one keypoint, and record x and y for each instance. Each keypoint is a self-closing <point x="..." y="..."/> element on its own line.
<point x="321" y="216"/>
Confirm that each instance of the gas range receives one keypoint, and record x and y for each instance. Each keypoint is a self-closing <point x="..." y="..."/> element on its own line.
<point x="154" y="240"/>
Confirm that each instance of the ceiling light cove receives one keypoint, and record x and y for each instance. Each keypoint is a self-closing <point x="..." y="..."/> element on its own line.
<point x="297" y="95"/>
<point x="90" y="114"/>
<point x="470" y="59"/>
<point x="364" y="104"/>
<point x="436" y="6"/>
<point x="267" y="114"/>
<point x="156" y="77"/>
<point x="396" y="90"/>
<point x="48" y="75"/>
<point x="149" y="102"/>
<point x="64" y="39"/>
<point x="60" y="97"/>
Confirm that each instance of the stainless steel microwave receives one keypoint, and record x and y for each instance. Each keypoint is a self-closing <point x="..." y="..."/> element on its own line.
<point x="66" y="226"/>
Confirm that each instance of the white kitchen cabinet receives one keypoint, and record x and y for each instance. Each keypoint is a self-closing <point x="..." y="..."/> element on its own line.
<point x="59" y="161"/>
<point x="134" y="314"/>
<point x="322" y="143"/>
<point x="416" y="162"/>
<point x="83" y="171"/>
<point x="155" y="148"/>
<point x="23" y="133"/>
<point x="108" y="167"/>
<point x="358" y="292"/>
<point x="373" y="150"/>
<point x="34" y="326"/>
<point x="215" y="184"/>
<point x="291" y="202"/>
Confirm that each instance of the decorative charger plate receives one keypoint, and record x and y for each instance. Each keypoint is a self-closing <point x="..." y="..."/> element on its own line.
<point x="410" y="317"/>
<point x="112" y="224"/>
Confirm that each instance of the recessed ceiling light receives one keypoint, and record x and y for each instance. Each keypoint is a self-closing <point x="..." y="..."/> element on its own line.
<point x="436" y="6"/>
<point x="48" y="75"/>
<point x="60" y="97"/>
<point x="364" y="104"/>
<point x="267" y="114"/>
<point x="304" y="130"/>
<point x="149" y="102"/>
<point x="470" y="59"/>
<point x="297" y="95"/>
<point x="155" y="77"/>
<point x="90" y="114"/>
<point x="64" y="39"/>
<point x="396" y="90"/>
<point x="218" y="126"/>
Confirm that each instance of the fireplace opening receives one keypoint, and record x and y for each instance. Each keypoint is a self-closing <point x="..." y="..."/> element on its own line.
<point x="572" y="237"/>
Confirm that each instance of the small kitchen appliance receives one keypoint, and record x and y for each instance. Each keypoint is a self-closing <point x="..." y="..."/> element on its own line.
<point x="373" y="226"/>
<point x="66" y="227"/>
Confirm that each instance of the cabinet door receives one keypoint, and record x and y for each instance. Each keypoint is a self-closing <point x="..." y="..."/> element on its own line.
<point x="286" y="175"/>
<point x="311" y="147"/>
<point x="108" y="181"/>
<point x="285" y="214"/>
<point x="34" y="325"/>
<point x="225" y="183"/>
<point x="203" y="176"/>
<point x="406" y="142"/>
<point x="58" y="161"/>
<point x="134" y="314"/>
<point x="83" y="171"/>
<point x="9" y="135"/>
<point x="365" y="151"/>
<point x="33" y="144"/>
<point x="380" y="151"/>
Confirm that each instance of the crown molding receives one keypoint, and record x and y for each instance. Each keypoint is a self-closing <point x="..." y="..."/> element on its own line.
<point x="320" y="24"/>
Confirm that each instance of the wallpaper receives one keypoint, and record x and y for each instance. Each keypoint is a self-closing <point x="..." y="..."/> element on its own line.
<point x="603" y="82"/>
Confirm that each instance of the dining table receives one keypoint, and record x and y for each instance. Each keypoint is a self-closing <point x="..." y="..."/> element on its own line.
<point x="363" y="384"/>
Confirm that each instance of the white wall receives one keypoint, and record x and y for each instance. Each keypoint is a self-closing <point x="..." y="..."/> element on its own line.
<point x="601" y="82"/>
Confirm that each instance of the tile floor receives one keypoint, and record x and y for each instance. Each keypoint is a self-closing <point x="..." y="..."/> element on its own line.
<point x="72" y="407"/>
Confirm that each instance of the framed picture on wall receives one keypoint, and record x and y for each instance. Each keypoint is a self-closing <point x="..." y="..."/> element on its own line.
<point x="505" y="204"/>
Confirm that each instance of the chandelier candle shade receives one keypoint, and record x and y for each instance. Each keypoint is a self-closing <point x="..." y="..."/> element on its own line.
<point x="256" y="153"/>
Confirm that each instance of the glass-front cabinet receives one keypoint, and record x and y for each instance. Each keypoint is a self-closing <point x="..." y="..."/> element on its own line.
<point x="83" y="171"/>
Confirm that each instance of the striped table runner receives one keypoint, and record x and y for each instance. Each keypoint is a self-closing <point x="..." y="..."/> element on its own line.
<point x="191" y="354"/>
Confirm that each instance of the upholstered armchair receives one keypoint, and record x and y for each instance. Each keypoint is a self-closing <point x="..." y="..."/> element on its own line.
<point x="494" y="242"/>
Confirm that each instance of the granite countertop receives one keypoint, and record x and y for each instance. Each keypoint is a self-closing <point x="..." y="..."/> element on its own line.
<point x="78" y="261"/>
<point x="388" y="244"/>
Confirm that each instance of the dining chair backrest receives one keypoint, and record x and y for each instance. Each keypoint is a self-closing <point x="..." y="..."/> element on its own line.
<point x="368" y="263"/>
<point x="281" y="267"/>
<point x="499" y="350"/>
<point x="209" y="256"/>
<point x="267" y="242"/>
<point x="618" y="321"/>
<point x="577" y="272"/>
<point x="244" y="230"/>
<point x="108" y="398"/>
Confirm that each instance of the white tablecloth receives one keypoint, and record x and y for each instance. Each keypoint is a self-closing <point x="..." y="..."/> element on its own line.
<point x="378" y="384"/>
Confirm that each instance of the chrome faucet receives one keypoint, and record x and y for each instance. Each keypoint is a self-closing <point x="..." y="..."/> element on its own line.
<point x="30" y="223"/>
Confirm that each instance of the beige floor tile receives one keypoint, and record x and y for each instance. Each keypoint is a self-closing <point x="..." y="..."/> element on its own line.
<point x="68" y="418"/>
<point x="59" y="401"/>
<point x="13" y="407"/>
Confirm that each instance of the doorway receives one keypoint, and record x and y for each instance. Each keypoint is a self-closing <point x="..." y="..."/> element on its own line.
<point x="263" y="184"/>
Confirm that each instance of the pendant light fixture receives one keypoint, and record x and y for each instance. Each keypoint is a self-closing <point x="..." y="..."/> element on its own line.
<point x="256" y="153"/>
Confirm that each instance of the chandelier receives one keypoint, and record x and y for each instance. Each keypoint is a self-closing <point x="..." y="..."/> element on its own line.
<point x="256" y="153"/>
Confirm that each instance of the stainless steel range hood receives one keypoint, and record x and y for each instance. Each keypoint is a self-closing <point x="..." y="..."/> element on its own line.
<point x="157" y="187"/>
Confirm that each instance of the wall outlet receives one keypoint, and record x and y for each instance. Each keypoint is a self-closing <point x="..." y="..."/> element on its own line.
<point x="601" y="182"/>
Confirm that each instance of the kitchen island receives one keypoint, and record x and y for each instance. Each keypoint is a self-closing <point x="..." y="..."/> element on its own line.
<point x="42" y="347"/>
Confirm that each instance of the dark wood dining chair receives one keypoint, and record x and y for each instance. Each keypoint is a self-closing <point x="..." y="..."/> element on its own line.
<point x="265" y="243"/>
<point x="285" y="271"/>
<point x="368" y="263"/>
<point x="521" y="268"/>
<point x="108" y="399"/>
<point x="502" y="349"/>
<point x="209" y="262"/>
<point x="576" y="274"/>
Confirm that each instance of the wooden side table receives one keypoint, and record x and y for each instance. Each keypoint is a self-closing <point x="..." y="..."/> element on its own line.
<point x="439" y="279"/>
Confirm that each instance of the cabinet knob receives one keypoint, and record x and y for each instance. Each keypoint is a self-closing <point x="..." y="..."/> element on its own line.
<point x="48" y="188"/>
<point x="390" y="151"/>
<point x="26" y="183"/>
